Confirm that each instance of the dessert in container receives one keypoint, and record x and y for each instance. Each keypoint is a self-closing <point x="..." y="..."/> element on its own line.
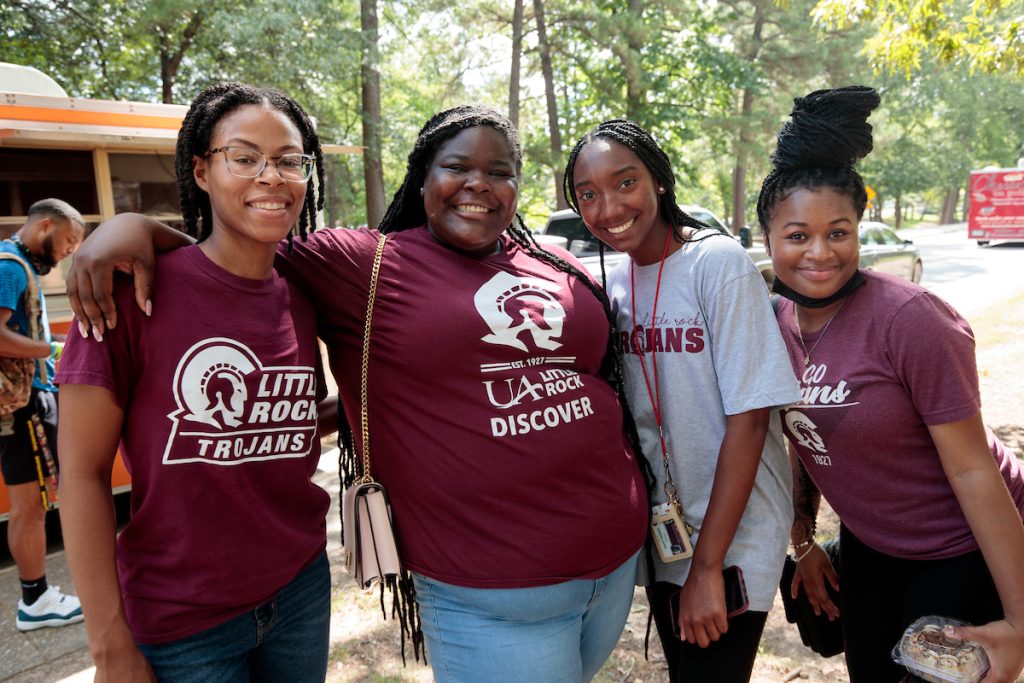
<point x="928" y="653"/>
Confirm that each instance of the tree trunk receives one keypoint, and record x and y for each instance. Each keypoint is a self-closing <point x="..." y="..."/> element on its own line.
<point x="636" y="91"/>
<point x="330" y="192"/>
<point x="373" y="171"/>
<point x="948" y="214"/>
<point x="966" y="207"/>
<point x="739" y="192"/>
<point x="167" y="75"/>
<point x="549" y="95"/>
<point x="517" y="50"/>
<point x="171" y="55"/>
<point x="739" y="173"/>
<point x="898" y="218"/>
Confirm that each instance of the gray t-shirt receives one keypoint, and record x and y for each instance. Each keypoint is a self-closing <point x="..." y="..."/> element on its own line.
<point x="719" y="352"/>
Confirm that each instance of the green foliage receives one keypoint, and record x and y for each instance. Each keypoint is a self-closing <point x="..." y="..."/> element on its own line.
<point x="90" y="48"/>
<point x="679" y="67"/>
<point x="986" y="35"/>
<point x="115" y="49"/>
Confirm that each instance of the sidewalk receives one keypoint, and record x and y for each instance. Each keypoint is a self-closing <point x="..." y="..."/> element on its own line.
<point x="45" y="655"/>
<point x="61" y="655"/>
<point x="928" y="229"/>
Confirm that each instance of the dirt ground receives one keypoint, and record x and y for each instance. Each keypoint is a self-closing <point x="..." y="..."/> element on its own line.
<point x="365" y="649"/>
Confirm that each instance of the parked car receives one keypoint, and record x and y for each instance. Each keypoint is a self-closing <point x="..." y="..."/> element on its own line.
<point x="882" y="249"/>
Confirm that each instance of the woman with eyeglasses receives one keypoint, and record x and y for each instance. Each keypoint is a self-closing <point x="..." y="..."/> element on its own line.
<point x="518" y="502"/>
<point x="222" y="573"/>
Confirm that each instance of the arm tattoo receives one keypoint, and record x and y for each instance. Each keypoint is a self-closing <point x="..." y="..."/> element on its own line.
<point x="806" y="499"/>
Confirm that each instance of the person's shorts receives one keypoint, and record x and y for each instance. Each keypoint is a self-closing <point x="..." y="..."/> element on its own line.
<point x="17" y="455"/>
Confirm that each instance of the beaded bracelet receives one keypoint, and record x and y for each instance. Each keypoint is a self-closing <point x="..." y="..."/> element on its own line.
<point x="802" y="544"/>
<point x="810" y="546"/>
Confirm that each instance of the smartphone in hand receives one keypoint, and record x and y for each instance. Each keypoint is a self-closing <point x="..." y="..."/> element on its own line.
<point x="736" y="602"/>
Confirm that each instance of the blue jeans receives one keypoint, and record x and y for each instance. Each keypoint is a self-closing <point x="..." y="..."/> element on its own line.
<point x="548" y="634"/>
<point x="284" y="639"/>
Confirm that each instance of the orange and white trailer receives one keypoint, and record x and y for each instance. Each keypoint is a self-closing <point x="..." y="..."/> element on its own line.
<point x="101" y="156"/>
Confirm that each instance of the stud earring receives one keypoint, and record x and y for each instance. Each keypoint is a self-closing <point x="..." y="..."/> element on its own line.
<point x="421" y="191"/>
<point x="661" y="190"/>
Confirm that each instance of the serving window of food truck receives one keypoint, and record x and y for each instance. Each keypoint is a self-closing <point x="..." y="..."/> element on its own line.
<point x="101" y="156"/>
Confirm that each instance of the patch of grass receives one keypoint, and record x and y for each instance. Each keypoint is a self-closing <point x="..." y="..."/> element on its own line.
<point x="999" y="323"/>
<point x="339" y="654"/>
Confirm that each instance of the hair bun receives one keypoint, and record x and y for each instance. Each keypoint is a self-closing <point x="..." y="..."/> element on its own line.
<point x="829" y="129"/>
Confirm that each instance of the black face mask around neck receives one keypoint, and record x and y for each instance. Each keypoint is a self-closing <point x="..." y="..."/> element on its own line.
<point x="41" y="266"/>
<point x="782" y="289"/>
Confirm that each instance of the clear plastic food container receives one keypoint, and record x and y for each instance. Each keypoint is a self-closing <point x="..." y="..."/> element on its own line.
<point x="933" y="656"/>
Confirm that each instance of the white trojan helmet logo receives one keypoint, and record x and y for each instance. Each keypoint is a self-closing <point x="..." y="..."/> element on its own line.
<point x="211" y="382"/>
<point x="509" y="305"/>
<point x="803" y="430"/>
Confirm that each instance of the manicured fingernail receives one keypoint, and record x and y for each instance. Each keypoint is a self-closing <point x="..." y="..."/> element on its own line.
<point x="97" y="334"/>
<point x="149" y="308"/>
<point x="110" y="323"/>
<point x="83" y="330"/>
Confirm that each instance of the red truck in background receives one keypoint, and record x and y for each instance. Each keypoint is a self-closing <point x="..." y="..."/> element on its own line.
<point x="996" y="205"/>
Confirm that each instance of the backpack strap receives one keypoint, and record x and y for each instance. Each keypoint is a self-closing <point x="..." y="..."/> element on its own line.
<point x="33" y="310"/>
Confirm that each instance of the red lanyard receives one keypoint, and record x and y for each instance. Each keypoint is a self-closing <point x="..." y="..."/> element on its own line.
<point x="654" y="396"/>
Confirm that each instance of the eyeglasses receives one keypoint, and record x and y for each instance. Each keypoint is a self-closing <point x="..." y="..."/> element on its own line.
<point x="248" y="163"/>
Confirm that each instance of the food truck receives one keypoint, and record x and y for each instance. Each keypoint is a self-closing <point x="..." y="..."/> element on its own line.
<point x="996" y="205"/>
<point x="101" y="156"/>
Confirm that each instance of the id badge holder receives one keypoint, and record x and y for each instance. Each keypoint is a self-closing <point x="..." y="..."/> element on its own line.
<point x="670" y="533"/>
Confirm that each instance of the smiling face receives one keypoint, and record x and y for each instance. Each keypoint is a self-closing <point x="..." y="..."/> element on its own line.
<point x="471" y="190"/>
<point x="618" y="200"/>
<point x="813" y="239"/>
<point x="256" y="211"/>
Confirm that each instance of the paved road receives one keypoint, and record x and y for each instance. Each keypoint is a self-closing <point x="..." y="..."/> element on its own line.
<point x="970" y="277"/>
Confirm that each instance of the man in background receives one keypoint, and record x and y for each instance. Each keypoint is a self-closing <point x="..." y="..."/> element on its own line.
<point x="53" y="231"/>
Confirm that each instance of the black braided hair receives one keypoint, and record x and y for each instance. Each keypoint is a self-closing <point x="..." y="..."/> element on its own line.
<point x="636" y="139"/>
<point x="820" y="147"/>
<point x="406" y="208"/>
<point x="407" y="211"/>
<point x="212" y="105"/>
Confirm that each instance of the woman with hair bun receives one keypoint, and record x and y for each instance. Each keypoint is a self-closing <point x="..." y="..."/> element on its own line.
<point x="889" y="428"/>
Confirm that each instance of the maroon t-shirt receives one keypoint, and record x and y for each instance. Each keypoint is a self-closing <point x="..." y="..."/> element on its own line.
<point x="895" y="359"/>
<point x="219" y="390"/>
<point x="500" y="444"/>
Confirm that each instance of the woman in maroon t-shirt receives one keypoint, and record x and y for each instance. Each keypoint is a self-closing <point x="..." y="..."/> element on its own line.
<point x="222" y="568"/>
<point x="889" y="427"/>
<point x="518" y="501"/>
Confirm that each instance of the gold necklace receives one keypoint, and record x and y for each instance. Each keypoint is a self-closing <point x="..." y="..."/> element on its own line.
<point x="800" y="334"/>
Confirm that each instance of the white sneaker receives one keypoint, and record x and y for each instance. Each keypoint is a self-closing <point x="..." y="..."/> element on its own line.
<point x="53" y="608"/>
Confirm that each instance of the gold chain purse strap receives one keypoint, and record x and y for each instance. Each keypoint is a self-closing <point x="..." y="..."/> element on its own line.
<point x="364" y="419"/>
